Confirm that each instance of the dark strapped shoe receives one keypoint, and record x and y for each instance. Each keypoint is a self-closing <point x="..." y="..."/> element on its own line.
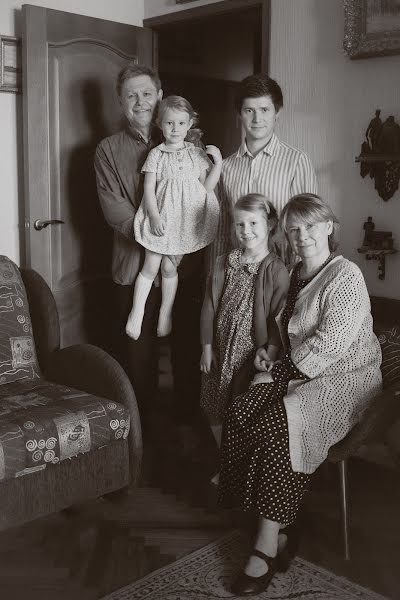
<point x="245" y="585"/>
<point x="288" y="553"/>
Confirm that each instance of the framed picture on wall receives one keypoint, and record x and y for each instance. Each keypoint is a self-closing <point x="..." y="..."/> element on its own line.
<point x="371" y="28"/>
<point x="10" y="64"/>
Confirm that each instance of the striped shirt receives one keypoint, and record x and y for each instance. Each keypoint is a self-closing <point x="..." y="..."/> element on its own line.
<point x="278" y="172"/>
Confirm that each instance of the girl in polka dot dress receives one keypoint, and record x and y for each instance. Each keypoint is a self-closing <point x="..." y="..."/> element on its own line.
<point x="244" y="293"/>
<point x="179" y="212"/>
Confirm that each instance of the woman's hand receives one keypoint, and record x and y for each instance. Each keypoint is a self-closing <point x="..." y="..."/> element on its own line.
<point x="262" y="378"/>
<point x="207" y="360"/>
<point x="215" y="153"/>
<point x="262" y="361"/>
<point x="157" y="226"/>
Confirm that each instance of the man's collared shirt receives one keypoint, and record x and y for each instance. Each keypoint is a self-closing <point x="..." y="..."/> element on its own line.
<point x="118" y="164"/>
<point x="278" y="171"/>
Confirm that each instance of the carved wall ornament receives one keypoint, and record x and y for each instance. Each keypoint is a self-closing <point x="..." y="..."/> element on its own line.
<point x="380" y="155"/>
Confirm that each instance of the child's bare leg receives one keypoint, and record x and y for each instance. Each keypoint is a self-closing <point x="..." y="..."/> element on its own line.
<point x="143" y="284"/>
<point x="217" y="433"/>
<point x="169" y="285"/>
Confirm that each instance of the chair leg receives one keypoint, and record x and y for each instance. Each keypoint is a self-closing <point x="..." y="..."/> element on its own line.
<point x="344" y="507"/>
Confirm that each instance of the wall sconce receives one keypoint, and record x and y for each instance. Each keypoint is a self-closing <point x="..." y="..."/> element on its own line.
<point x="376" y="246"/>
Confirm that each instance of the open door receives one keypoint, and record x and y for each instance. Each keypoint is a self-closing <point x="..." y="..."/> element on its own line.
<point x="70" y="63"/>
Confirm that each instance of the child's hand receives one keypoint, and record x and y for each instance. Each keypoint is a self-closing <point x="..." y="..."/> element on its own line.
<point x="207" y="360"/>
<point x="215" y="153"/>
<point x="262" y="361"/>
<point x="157" y="226"/>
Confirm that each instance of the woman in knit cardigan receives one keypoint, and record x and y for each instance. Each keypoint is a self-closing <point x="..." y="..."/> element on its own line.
<point x="280" y="431"/>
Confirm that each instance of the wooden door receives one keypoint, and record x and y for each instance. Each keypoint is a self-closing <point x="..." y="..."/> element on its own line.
<point x="70" y="63"/>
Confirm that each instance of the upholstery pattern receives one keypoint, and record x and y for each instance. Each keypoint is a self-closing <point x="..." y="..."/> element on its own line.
<point x="43" y="423"/>
<point x="390" y="346"/>
<point x="17" y="348"/>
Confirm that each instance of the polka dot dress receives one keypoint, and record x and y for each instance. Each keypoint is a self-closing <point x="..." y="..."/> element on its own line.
<point x="256" y="470"/>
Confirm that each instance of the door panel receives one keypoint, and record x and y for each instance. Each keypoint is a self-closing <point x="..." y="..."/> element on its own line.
<point x="70" y="104"/>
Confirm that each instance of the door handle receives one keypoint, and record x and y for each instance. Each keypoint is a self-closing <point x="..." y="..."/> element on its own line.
<point x="39" y="225"/>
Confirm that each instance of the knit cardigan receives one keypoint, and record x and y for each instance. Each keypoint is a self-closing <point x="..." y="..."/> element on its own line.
<point x="272" y="283"/>
<point x="332" y="342"/>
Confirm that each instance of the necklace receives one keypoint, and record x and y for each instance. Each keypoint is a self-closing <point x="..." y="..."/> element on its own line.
<point x="313" y="274"/>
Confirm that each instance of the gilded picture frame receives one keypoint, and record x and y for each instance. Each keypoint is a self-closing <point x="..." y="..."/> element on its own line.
<point x="10" y="64"/>
<point x="371" y="28"/>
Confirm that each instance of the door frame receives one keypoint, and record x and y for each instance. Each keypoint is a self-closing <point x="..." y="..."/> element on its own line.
<point x="216" y="9"/>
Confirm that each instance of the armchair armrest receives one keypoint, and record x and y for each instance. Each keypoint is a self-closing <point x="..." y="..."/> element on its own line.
<point x="92" y="370"/>
<point x="44" y="315"/>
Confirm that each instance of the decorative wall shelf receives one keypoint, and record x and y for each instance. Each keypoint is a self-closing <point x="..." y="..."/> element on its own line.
<point x="380" y="155"/>
<point x="379" y="255"/>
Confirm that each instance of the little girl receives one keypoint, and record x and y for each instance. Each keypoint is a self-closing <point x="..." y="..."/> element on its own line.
<point x="245" y="291"/>
<point x="179" y="212"/>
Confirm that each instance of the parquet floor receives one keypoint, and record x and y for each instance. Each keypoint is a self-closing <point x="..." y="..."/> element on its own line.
<point x="87" y="552"/>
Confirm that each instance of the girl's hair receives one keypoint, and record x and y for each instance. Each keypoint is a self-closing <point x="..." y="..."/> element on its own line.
<point x="260" y="203"/>
<point x="310" y="209"/>
<point x="134" y="70"/>
<point x="180" y="103"/>
<point x="176" y="103"/>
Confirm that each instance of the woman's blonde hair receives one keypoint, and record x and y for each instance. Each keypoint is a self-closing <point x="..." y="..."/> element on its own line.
<point x="310" y="209"/>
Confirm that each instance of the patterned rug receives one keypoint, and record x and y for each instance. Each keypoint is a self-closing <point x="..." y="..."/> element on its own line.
<point x="207" y="573"/>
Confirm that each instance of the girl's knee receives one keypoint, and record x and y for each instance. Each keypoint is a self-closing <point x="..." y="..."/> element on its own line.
<point x="168" y="268"/>
<point x="151" y="264"/>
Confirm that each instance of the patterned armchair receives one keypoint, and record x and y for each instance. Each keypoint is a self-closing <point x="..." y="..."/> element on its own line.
<point x="69" y="422"/>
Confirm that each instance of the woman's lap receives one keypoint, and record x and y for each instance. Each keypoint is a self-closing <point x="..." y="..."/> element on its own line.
<point x="255" y="460"/>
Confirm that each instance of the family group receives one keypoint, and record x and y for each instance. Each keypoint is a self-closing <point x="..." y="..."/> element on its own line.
<point x="236" y="260"/>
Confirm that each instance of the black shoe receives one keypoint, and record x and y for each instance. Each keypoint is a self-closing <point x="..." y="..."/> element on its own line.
<point x="245" y="585"/>
<point x="288" y="553"/>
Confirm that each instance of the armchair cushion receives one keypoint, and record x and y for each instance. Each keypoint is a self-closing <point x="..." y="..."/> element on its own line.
<point x="17" y="348"/>
<point x="376" y="419"/>
<point x="390" y="345"/>
<point x="43" y="423"/>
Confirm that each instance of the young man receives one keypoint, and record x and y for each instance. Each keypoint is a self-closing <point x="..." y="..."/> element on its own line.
<point x="118" y="162"/>
<point x="262" y="164"/>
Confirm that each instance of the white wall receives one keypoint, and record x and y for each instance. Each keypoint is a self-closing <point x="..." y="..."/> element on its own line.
<point x="327" y="112"/>
<point x="155" y="8"/>
<point x="11" y="170"/>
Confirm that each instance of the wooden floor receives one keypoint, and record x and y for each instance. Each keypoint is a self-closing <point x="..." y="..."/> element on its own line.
<point x="85" y="553"/>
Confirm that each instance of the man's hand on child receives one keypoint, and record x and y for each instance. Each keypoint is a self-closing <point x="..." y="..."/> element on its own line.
<point x="207" y="360"/>
<point x="262" y="361"/>
<point x="215" y="153"/>
<point x="157" y="226"/>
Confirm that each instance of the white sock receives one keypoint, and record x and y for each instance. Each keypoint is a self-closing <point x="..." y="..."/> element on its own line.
<point x="169" y="285"/>
<point x="140" y="294"/>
